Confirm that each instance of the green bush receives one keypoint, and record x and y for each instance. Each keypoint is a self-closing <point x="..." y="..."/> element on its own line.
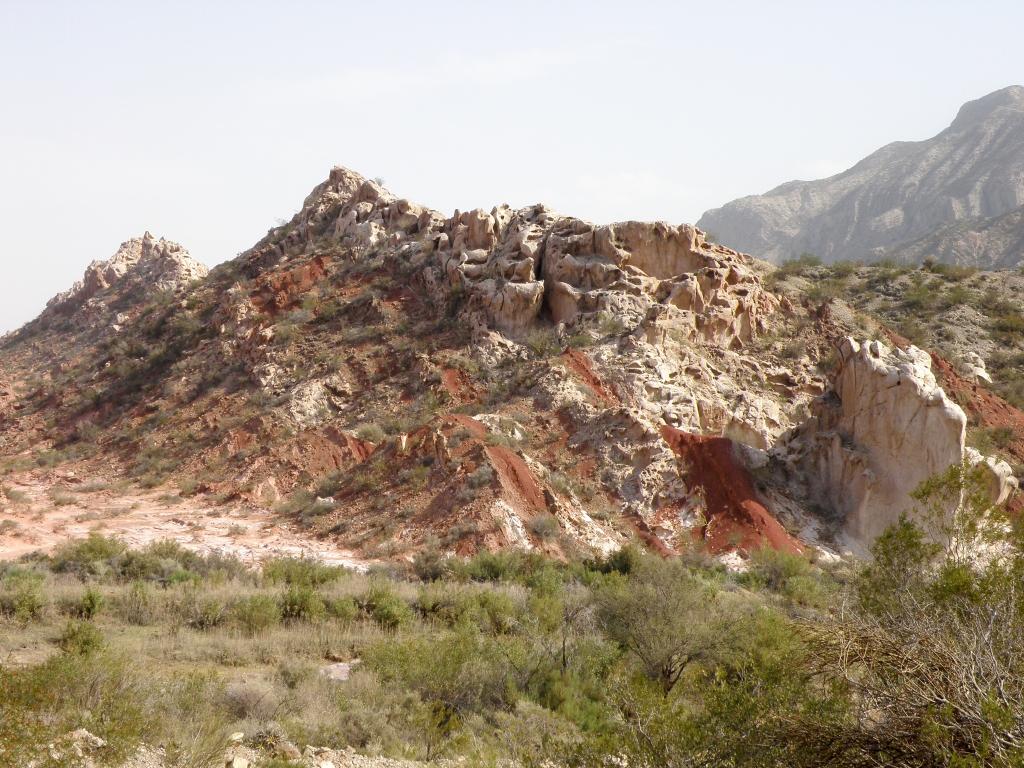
<point x="430" y="564"/>
<point x="300" y="571"/>
<point x="135" y="605"/>
<point x="386" y="608"/>
<point x="81" y="638"/>
<point x="302" y="602"/>
<point x="21" y="596"/>
<point x="202" y="612"/>
<point x="88" y="606"/>
<point x="40" y="704"/>
<point x="256" y="613"/>
<point x="346" y="610"/>
<point x="91" y="556"/>
<point x="461" y="670"/>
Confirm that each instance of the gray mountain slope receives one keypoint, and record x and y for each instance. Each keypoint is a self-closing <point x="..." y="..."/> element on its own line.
<point x="906" y="191"/>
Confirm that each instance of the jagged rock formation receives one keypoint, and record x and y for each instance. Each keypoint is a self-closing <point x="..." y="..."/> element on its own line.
<point x="514" y="264"/>
<point x="387" y="377"/>
<point x="157" y="265"/>
<point x="903" y="192"/>
<point x="884" y="428"/>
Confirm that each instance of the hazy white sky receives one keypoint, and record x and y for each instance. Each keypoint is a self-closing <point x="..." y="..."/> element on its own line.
<point x="204" y="122"/>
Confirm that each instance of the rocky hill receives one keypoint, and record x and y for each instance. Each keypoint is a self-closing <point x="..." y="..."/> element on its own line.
<point x="955" y="197"/>
<point x="392" y="380"/>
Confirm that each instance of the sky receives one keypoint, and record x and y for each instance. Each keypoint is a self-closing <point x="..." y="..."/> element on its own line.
<point x="208" y="122"/>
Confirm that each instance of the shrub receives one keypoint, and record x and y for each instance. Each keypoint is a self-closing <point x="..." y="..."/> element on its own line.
<point x="92" y="556"/>
<point x="202" y="612"/>
<point x="302" y="603"/>
<point x="481" y="476"/>
<point x="664" y="616"/>
<point x="88" y="605"/>
<point x="136" y="604"/>
<point x="61" y="497"/>
<point x="623" y="561"/>
<point x="345" y="609"/>
<point x="790" y="575"/>
<point x="797" y="265"/>
<point x="300" y="571"/>
<point x="386" y="608"/>
<point x="461" y="670"/>
<point x="544" y="527"/>
<point x="256" y="614"/>
<point x="429" y="564"/>
<point x="21" y="596"/>
<point x="371" y="433"/>
<point x="81" y="638"/>
<point x="40" y="704"/>
<point x="610" y="324"/>
<point x="543" y="342"/>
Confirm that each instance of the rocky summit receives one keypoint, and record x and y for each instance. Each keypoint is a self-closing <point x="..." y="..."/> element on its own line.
<point x="956" y="198"/>
<point x="386" y="378"/>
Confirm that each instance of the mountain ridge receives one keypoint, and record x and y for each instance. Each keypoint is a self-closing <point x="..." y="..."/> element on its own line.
<point x="902" y="192"/>
<point x="389" y="379"/>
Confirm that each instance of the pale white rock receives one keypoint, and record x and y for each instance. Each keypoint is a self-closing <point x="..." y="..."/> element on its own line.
<point x="998" y="475"/>
<point x="971" y="365"/>
<point x="884" y="428"/>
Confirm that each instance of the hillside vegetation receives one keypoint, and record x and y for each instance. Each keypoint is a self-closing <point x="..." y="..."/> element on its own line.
<point x="915" y="659"/>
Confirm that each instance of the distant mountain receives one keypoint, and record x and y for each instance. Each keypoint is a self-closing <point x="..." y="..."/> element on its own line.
<point x="942" y="197"/>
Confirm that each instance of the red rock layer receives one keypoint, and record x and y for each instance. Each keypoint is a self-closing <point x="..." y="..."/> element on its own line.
<point x="736" y="518"/>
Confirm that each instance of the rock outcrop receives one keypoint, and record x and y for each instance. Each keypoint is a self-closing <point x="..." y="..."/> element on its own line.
<point x="626" y="379"/>
<point x="515" y="265"/>
<point x="885" y="427"/>
<point x="160" y="265"/>
<point x="971" y="172"/>
<point x="522" y="262"/>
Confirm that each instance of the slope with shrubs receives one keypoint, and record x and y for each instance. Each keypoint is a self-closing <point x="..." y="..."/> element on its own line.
<point x="963" y="316"/>
<point x="915" y="659"/>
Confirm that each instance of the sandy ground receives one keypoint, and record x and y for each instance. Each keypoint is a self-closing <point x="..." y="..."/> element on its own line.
<point x="139" y="517"/>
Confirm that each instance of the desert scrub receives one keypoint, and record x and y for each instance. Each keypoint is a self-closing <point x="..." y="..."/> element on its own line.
<point x="501" y="655"/>
<point x="386" y="608"/>
<point x="302" y="603"/>
<point x="256" y="614"/>
<point x="300" y="571"/>
<point x="21" y="596"/>
<point x="81" y="638"/>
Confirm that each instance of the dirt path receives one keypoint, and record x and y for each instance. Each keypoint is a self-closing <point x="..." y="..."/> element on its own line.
<point x="139" y="517"/>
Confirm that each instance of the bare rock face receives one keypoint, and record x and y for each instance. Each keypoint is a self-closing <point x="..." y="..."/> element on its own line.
<point x="707" y="288"/>
<point x="158" y="264"/>
<point x="951" y="190"/>
<point x="520" y="263"/>
<point x="347" y="209"/>
<point x="515" y="264"/>
<point x="884" y="428"/>
<point x="496" y="257"/>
